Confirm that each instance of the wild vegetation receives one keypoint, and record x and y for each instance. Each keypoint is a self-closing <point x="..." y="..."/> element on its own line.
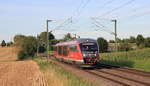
<point x="137" y="59"/>
<point x="57" y="76"/>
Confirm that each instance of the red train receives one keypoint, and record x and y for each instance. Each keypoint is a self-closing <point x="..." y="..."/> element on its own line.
<point x="80" y="51"/>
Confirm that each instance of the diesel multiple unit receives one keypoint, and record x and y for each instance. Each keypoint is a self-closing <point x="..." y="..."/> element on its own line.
<point x="80" y="51"/>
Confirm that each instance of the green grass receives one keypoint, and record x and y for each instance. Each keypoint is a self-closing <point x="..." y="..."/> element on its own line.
<point x="66" y="77"/>
<point x="139" y="59"/>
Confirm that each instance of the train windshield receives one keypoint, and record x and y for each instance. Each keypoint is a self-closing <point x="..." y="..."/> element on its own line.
<point x="89" y="46"/>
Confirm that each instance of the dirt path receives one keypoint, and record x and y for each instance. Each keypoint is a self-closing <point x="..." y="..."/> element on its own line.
<point x="18" y="73"/>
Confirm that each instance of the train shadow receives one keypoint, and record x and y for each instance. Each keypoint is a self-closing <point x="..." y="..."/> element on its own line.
<point x="106" y="64"/>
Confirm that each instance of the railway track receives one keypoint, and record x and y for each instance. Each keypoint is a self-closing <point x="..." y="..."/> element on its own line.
<point x="122" y="76"/>
<point x="120" y="79"/>
<point x="113" y="73"/>
<point x="126" y="69"/>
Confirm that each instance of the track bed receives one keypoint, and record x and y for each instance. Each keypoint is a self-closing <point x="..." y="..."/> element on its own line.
<point x="108" y="75"/>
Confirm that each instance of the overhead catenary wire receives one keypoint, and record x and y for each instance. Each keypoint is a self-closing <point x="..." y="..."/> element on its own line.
<point x="78" y="12"/>
<point x="62" y="24"/>
<point x="133" y="13"/>
<point x="139" y="15"/>
<point x="117" y="8"/>
<point x="83" y="7"/>
<point x="101" y="26"/>
<point x="69" y="19"/>
<point x="108" y="2"/>
<point x="80" y="9"/>
<point x="136" y="13"/>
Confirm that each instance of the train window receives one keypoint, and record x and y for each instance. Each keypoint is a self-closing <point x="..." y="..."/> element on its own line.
<point x="65" y="51"/>
<point x="55" y="48"/>
<point x="89" y="46"/>
<point x="59" y="50"/>
<point x="73" y="48"/>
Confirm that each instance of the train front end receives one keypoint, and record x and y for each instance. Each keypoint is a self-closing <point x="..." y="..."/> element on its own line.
<point x="90" y="51"/>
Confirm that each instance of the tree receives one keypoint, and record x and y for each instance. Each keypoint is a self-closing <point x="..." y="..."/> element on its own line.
<point x="28" y="48"/>
<point x="132" y="39"/>
<point x="3" y="44"/>
<point x="118" y="40"/>
<point x="9" y="43"/>
<point x="18" y="39"/>
<point x="140" y="41"/>
<point x="43" y="38"/>
<point x="125" y="40"/>
<point x="42" y="41"/>
<point x="68" y="37"/>
<point x="124" y="47"/>
<point x="103" y="44"/>
<point x="147" y="42"/>
<point x="111" y="41"/>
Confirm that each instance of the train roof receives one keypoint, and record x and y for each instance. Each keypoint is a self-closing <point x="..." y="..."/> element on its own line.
<point x="81" y="40"/>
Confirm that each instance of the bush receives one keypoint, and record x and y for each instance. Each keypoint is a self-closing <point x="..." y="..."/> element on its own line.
<point x="21" y="55"/>
<point x="124" y="47"/>
<point x="28" y="48"/>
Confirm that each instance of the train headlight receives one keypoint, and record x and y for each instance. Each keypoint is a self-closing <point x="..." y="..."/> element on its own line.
<point x="84" y="55"/>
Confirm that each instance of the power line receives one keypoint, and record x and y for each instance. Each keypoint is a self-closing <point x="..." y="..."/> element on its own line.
<point x="98" y="24"/>
<point x="139" y="15"/>
<point x="62" y="24"/>
<point x="135" y="11"/>
<point x="117" y="8"/>
<point x="108" y="2"/>
<point x="81" y="8"/>
<point x="78" y="8"/>
<point x="76" y="13"/>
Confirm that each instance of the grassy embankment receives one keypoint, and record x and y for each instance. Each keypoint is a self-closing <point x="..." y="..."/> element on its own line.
<point x="137" y="59"/>
<point x="57" y="76"/>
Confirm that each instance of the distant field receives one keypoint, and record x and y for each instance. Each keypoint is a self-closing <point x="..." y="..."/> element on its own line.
<point x="137" y="59"/>
<point x="8" y="53"/>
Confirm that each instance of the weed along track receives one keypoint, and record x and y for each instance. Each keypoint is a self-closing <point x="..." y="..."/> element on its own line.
<point x="109" y="75"/>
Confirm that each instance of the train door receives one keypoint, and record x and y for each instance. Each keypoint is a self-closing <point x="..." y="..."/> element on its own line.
<point x="74" y="52"/>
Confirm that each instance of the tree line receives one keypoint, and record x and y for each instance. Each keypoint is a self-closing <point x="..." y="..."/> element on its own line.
<point x="30" y="45"/>
<point x="126" y="44"/>
<point x="4" y="44"/>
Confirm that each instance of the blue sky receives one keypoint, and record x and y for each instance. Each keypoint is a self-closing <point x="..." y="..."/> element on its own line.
<point x="28" y="17"/>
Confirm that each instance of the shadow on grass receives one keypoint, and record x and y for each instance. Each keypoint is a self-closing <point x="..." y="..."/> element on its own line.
<point x="116" y="64"/>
